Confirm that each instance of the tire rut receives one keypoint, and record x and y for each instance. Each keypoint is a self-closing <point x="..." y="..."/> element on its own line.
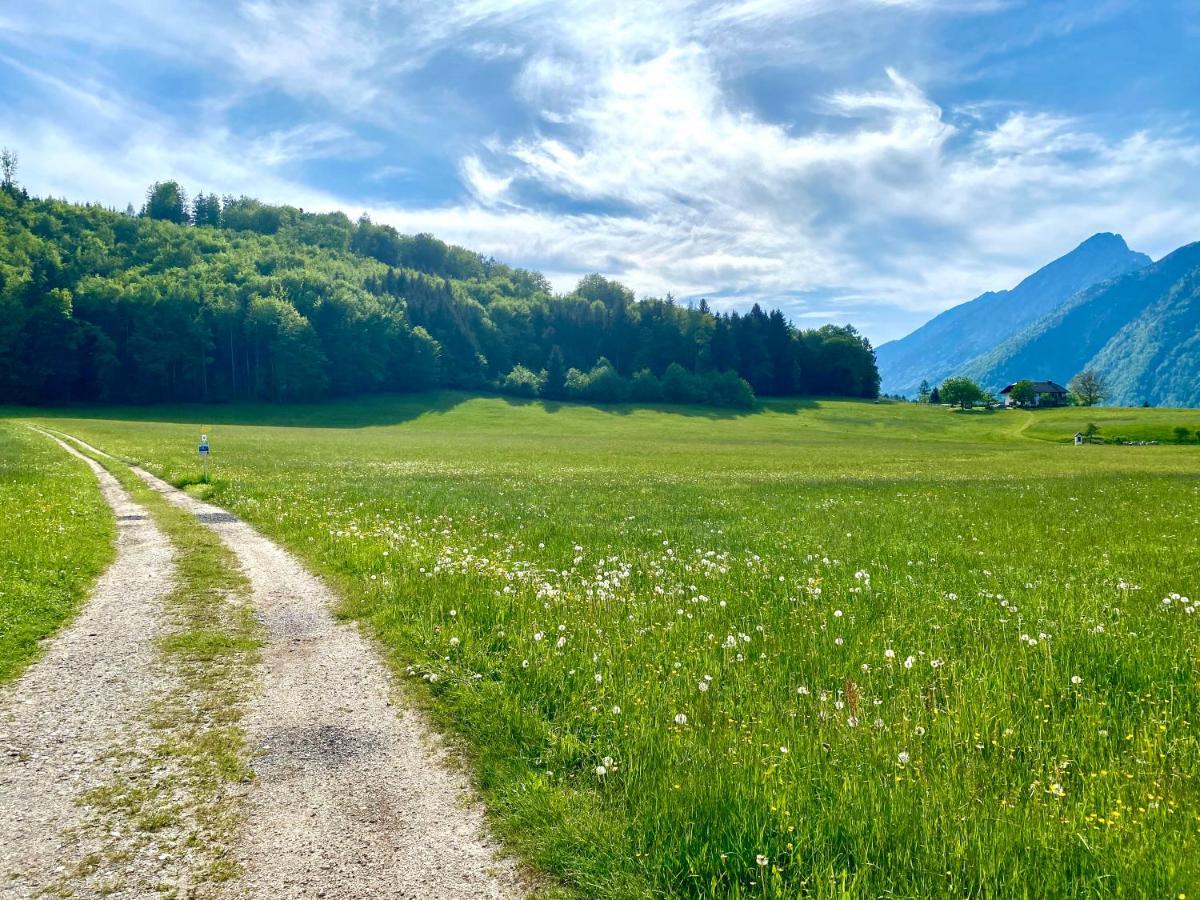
<point x="66" y="721"/>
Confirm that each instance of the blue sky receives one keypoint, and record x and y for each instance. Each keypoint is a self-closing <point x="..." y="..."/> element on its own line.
<point x="870" y="161"/>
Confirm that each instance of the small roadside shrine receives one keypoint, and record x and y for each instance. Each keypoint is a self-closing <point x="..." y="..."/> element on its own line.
<point x="1078" y="438"/>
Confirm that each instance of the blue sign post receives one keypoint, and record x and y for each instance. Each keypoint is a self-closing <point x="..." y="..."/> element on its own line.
<point x="204" y="453"/>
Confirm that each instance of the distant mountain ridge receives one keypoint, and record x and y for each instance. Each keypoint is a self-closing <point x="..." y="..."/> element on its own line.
<point x="1140" y="331"/>
<point x="948" y="343"/>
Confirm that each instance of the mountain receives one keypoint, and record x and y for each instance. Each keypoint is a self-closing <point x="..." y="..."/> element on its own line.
<point x="942" y="346"/>
<point x="1141" y="331"/>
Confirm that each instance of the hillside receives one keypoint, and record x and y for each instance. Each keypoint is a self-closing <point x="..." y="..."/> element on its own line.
<point x="943" y="345"/>
<point x="1138" y="330"/>
<point x="232" y="299"/>
<point x="1156" y="357"/>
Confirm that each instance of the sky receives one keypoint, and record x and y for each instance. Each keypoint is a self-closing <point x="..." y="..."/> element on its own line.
<point x="861" y="161"/>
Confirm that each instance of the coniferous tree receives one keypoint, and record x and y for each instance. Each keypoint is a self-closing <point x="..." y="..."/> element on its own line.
<point x="206" y="210"/>
<point x="166" y="201"/>
<point x="556" y="374"/>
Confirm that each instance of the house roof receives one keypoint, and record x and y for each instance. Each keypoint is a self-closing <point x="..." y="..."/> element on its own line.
<point x="1039" y="387"/>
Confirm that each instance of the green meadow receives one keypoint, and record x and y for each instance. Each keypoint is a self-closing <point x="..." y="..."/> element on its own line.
<point x="56" y="537"/>
<point x="825" y="648"/>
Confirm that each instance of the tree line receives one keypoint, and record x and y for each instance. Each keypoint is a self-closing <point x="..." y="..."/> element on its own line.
<point x="216" y="299"/>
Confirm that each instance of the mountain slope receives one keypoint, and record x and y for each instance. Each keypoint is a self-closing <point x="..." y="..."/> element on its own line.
<point x="943" y="345"/>
<point x="1156" y="357"/>
<point x="1135" y="329"/>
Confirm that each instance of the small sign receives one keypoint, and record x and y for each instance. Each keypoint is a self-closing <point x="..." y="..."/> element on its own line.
<point x="204" y="449"/>
<point x="204" y="443"/>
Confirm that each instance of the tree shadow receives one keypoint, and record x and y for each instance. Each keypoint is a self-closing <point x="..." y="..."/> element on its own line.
<point x="688" y="410"/>
<point x="346" y="412"/>
<point x="979" y="411"/>
<point x="376" y="410"/>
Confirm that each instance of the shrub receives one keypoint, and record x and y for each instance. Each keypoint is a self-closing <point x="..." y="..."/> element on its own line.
<point x="729" y="389"/>
<point x="679" y="385"/>
<point x="523" y="382"/>
<point x="575" y="384"/>
<point x="645" y="388"/>
<point x="605" y="384"/>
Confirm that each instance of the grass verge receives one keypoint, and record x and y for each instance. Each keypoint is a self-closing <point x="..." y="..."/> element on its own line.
<point x="57" y="538"/>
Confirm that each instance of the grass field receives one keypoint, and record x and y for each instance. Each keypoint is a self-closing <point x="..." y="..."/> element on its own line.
<point x="56" y="538"/>
<point x="827" y="648"/>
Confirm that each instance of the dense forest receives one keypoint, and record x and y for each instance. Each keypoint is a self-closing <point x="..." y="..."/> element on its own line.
<point x="217" y="299"/>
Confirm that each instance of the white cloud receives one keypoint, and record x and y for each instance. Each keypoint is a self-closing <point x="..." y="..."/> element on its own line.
<point x="485" y="186"/>
<point x="646" y="162"/>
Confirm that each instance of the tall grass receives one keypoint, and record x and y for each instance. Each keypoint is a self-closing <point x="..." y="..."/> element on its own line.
<point x="832" y="649"/>
<point x="56" y="535"/>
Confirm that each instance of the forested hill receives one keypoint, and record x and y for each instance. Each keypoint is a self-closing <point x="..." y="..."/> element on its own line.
<point x="224" y="299"/>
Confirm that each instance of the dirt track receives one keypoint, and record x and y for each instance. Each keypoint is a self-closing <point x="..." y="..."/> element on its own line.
<point x="354" y="796"/>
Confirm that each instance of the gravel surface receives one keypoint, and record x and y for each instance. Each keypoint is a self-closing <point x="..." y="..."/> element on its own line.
<point x="354" y="797"/>
<point x="69" y="722"/>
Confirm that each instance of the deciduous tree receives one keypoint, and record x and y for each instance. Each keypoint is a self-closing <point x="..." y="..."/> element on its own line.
<point x="1023" y="393"/>
<point x="961" y="390"/>
<point x="1089" y="388"/>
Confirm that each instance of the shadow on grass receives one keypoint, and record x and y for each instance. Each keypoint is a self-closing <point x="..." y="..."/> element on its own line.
<point x="376" y="410"/>
<point x="696" y="411"/>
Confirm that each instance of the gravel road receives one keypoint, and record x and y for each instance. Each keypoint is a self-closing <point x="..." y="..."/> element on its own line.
<point x="354" y="795"/>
